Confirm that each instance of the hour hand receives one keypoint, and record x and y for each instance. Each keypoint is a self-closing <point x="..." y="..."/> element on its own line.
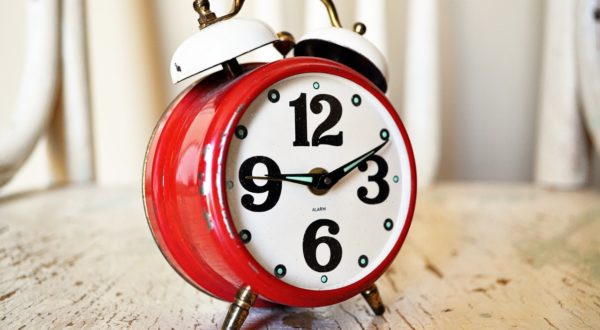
<point x="329" y="180"/>
<point x="310" y="180"/>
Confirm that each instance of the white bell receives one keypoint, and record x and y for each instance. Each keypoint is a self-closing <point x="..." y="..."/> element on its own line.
<point x="217" y="44"/>
<point x="349" y="48"/>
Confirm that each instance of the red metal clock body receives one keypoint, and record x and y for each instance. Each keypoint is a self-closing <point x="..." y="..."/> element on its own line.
<point x="185" y="186"/>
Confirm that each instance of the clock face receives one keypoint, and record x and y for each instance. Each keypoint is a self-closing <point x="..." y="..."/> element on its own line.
<point x="318" y="181"/>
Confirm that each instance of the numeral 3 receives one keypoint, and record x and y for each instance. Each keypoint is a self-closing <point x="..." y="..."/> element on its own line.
<point x="378" y="178"/>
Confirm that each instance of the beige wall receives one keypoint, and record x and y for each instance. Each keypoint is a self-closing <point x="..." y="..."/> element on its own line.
<point x="490" y="67"/>
<point x="491" y="64"/>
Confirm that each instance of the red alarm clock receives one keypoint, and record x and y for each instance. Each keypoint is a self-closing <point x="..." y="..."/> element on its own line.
<point x="291" y="182"/>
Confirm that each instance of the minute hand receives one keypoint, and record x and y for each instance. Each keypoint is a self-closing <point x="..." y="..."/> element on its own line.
<point x="303" y="179"/>
<point x="329" y="180"/>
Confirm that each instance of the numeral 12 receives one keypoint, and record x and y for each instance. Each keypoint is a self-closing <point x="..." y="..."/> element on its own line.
<point x="316" y="106"/>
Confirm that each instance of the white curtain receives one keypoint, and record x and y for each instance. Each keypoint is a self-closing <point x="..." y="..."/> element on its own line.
<point x="464" y="75"/>
<point x="171" y="22"/>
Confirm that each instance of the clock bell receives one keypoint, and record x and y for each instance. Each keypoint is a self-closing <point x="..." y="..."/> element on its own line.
<point x="207" y="49"/>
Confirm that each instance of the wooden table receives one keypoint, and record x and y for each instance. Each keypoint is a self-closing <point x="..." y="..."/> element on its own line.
<point x="477" y="256"/>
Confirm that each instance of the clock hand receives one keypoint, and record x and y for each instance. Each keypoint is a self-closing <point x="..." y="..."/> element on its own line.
<point x="310" y="180"/>
<point x="329" y="180"/>
<point x="323" y="181"/>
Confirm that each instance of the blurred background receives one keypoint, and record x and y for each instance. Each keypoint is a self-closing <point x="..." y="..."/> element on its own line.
<point x="488" y="61"/>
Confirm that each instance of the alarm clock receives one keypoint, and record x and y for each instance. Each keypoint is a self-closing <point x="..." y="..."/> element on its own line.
<point x="285" y="183"/>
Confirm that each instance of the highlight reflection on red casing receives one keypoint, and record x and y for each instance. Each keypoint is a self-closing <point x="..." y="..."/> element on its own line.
<point x="184" y="186"/>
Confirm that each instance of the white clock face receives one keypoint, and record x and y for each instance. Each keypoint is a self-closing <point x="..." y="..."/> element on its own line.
<point x="318" y="181"/>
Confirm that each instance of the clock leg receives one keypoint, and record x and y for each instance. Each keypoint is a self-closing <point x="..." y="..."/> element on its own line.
<point x="373" y="298"/>
<point x="239" y="309"/>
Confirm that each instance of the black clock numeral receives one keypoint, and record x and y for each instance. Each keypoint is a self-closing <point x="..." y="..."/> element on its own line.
<point x="316" y="107"/>
<point x="299" y="106"/>
<point x="273" y="188"/>
<point x="310" y="243"/>
<point x="335" y="114"/>
<point x="378" y="178"/>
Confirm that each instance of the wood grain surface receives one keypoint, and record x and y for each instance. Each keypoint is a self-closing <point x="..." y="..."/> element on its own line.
<point x="477" y="256"/>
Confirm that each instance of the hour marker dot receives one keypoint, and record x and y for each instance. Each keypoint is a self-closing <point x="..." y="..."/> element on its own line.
<point x="245" y="236"/>
<point x="280" y="271"/>
<point x="274" y="96"/>
<point x="241" y="132"/>
<point x="363" y="261"/>
<point x="356" y="100"/>
<point x="324" y="279"/>
<point x="388" y="224"/>
<point x="229" y="184"/>
<point x="396" y="179"/>
<point x="384" y="134"/>
<point x="316" y="85"/>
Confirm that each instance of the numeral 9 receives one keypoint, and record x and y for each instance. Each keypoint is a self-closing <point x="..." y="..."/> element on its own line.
<point x="273" y="188"/>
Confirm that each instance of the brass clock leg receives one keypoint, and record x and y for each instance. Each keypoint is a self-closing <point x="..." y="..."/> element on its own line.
<point x="239" y="309"/>
<point x="373" y="298"/>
